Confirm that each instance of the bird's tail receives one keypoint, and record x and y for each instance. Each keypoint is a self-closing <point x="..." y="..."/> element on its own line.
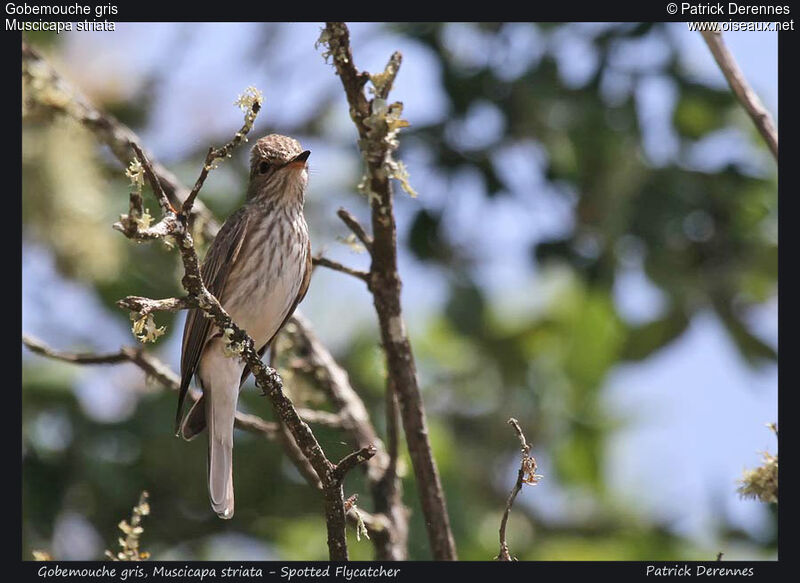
<point x="220" y="414"/>
<point x="194" y="422"/>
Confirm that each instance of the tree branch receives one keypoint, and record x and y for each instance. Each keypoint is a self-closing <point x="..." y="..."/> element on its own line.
<point x="153" y="368"/>
<point x="526" y="475"/>
<point x="316" y="361"/>
<point x="48" y="90"/>
<point x="393" y="441"/>
<point x="352" y="460"/>
<point x="336" y="266"/>
<point x="744" y="93"/>
<point x="352" y="222"/>
<point x="37" y="346"/>
<point x="319" y="417"/>
<point x="377" y="124"/>
<point x="146" y="306"/>
<point x="247" y="422"/>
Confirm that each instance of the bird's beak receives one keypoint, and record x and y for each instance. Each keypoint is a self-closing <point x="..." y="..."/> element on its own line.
<point x="299" y="161"/>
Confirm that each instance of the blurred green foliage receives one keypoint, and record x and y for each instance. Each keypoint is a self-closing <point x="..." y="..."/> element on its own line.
<point x="704" y="239"/>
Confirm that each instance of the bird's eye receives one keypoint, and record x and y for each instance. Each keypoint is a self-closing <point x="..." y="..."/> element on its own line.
<point x="263" y="168"/>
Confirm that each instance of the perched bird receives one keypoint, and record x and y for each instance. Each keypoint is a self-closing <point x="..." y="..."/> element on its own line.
<point x="258" y="267"/>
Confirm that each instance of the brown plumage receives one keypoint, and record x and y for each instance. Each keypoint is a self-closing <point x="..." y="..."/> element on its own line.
<point x="259" y="267"/>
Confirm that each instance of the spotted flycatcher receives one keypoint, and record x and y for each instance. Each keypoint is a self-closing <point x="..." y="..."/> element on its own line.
<point x="258" y="267"/>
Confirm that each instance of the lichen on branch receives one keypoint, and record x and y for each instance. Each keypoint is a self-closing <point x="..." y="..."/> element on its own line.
<point x="133" y="531"/>
<point x="761" y="483"/>
<point x="145" y="329"/>
<point x="378" y="123"/>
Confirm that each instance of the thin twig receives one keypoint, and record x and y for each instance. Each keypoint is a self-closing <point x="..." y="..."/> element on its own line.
<point x="319" y="417"/>
<point x="152" y="178"/>
<point x="314" y="359"/>
<point x="526" y="475"/>
<point x="744" y="93"/>
<point x="336" y="266"/>
<point x="253" y="107"/>
<point x="359" y="231"/>
<point x="153" y="368"/>
<point x="37" y="346"/>
<point x="289" y="444"/>
<point x="352" y="460"/>
<point x="298" y="457"/>
<point x="189" y="202"/>
<point x="392" y="434"/>
<point x="377" y="524"/>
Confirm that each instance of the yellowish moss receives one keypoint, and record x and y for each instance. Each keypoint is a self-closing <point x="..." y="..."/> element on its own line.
<point x="231" y="349"/>
<point x="133" y="531"/>
<point x="762" y="482"/>
<point x="135" y="173"/>
<point x="144" y="328"/>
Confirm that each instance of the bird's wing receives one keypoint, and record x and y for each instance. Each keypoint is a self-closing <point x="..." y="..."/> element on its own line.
<point x="219" y="262"/>
<point x="300" y="295"/>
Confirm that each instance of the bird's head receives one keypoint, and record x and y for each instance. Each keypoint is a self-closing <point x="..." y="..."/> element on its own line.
<point x="278" y="169"/>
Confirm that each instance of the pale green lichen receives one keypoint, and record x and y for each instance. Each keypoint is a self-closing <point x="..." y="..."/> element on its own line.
<point x="352" y="241"/>
<point x="249" y="98"/>
<point x="135" y="173"/>
<point x="335" y="50"/>
<point x="250" y="103"/>
<point x="393" y="120"/>
<point x="364" y="188"/>
<point x="397" y="329"/>
<point x="379" y="80"/>
<point x="399" y="172"/>
<point x="384" y="122"/>
<point x="230" y="348"/>
<point x="383" y="125"/>
<point x="361" y="528"/>
<point x="376" y="121"/>
<point x="144" y="221"/>
<point x="198" y="227"/>
<point x="762" y="482"/>
<point x="324" y="39"/>
<point x="529" y="475"/>
<point x="132" y="531"/>
<point x="44" y="88"/>
<point x="144" y="328"/>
